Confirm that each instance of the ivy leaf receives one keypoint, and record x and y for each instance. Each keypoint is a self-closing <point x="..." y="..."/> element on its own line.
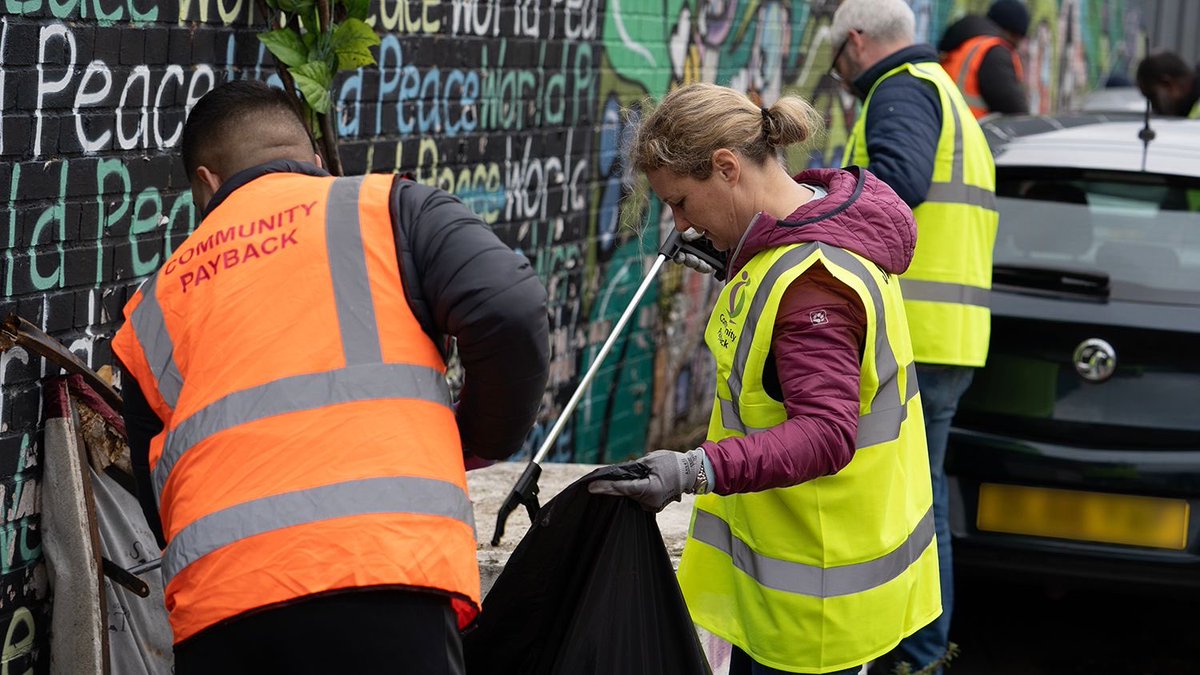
<point x="315" y="80"/>
<point x="352" y="41"/>
<point x="358" y="9"/>
<point x="286" y="46"/>
<point x="296" y="6"/>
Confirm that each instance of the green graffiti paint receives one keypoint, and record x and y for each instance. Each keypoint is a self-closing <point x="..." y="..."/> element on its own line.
<point x="54" y="215"/>
<point x="108" y="168"/>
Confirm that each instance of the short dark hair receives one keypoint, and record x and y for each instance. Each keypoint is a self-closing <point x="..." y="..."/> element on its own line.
<point x="1162" y="65"/>
<point x="219" y="118"/>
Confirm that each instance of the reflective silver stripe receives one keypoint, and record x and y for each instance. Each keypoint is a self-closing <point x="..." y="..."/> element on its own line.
<point x="956" y="190"/>
<point x="881" y="426"/>
<point x="961" y="193"/>
<point x="296" y="393"/>
<point x="729" y="413"/>
<point x="407" y="495"/>
<point x="157" y="346"/>
<point x="974" y="101"/>
<point x="937" y="291"/>
<point x="348" y="269"/>
<point x="811" y="580"/>
<point x="964" y="71"/>
<point x="888" y="411"/>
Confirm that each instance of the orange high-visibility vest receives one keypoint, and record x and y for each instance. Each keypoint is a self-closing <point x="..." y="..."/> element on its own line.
<point x="963" y="65"/>
<point x="309" y="444"/>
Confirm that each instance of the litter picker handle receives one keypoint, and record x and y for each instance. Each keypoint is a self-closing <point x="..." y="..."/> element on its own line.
<point x="525" y="491"/>
<point x="701" y="248"/>
<point x="595" y="367"/>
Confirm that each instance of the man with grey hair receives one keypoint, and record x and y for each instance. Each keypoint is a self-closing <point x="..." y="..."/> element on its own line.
<point x="917" y="134"/>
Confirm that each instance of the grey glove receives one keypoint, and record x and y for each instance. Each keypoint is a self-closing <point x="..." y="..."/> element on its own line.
<point x="689" y="259"/>
<point x="671" y="474"/>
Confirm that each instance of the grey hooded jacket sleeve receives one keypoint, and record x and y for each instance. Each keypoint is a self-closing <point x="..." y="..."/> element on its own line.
<point x="462" y="281"/>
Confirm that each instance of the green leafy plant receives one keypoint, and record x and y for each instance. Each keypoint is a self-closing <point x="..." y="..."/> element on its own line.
<point x="311" y="41"/>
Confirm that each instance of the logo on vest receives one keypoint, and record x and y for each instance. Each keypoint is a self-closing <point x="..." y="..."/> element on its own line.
<point x="726" y="334"/>
<point x="737" y="295"/>
<point x="818" y="317"/>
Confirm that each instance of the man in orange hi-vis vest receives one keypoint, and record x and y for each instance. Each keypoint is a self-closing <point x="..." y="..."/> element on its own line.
<point x="980" y="54"/>
<point x="288" y="415"/>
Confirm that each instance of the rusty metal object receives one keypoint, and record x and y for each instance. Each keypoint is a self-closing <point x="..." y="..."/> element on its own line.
<point x="17" y="332"/>
<point x="124" y="577"/>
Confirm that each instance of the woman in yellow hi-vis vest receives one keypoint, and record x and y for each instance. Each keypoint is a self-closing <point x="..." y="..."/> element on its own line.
<point x="812" y="546"/>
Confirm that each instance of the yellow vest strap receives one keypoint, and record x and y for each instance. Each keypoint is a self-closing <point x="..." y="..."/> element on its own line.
<point x="937" y="291"/>
<point x="956" y="190"/>
<point x="365" y="382"/>
<point x="393" y="494"/>
<point x="812" y="580"/>
<point x="151" y="332"/>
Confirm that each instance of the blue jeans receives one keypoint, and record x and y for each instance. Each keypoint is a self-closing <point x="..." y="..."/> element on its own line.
<point x="740" y="663"/>
<point x="941" y="387"/>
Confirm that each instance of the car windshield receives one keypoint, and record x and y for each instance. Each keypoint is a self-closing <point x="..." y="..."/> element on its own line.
<point x="1142" y="230"/>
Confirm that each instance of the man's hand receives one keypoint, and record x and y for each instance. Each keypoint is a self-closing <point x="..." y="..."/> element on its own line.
<point x="671" y="474"/>
<point x="689" y="259"/>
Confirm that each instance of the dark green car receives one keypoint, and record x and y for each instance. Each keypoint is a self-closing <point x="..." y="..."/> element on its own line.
<point x="1076" y="452"/>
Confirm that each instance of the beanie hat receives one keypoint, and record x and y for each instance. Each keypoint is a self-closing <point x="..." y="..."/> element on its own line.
<point x="1010" y="15"/>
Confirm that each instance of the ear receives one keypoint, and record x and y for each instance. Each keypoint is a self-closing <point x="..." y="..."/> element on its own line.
<point x="317" y="161"/>
<point x="855" y="38"/>
<point x="209" y="178"/>
<point x="726" y="165"/>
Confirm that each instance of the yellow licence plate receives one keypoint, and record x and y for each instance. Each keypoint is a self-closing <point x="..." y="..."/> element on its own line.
<point x="1084" y="516"/>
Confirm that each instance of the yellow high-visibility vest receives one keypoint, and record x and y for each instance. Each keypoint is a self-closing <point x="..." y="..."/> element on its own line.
<point x="947" y="286"/>
<point x="834" y="572"/>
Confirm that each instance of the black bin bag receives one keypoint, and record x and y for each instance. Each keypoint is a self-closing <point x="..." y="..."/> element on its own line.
<point x="590" y="589"/>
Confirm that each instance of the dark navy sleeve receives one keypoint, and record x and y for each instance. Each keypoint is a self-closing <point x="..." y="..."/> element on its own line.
<point x="475" y="288"/>
<point x="904" y="120"/>
<point x="998" y="83"/>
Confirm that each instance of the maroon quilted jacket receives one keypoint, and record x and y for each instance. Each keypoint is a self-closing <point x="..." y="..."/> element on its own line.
<point x="817" y="343"/>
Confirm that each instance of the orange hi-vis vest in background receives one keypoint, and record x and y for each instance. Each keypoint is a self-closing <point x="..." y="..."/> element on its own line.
<point x="309" y="443"/>
<point x="963" y="65"/>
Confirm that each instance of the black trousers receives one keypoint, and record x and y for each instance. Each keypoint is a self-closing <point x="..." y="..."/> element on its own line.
<point x="362" y="632"/>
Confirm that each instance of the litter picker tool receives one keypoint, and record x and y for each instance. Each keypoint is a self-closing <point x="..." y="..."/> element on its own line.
<point x="525" y="491"/>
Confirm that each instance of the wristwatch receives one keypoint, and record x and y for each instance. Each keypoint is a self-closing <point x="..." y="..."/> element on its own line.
<point x="701" y="487"/>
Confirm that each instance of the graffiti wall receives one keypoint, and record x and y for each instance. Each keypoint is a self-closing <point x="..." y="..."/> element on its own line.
<point x="518" y="106"/>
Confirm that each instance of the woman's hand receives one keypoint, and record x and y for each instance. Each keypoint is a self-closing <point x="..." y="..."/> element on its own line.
<point x="690" y="259"/>
<point x="671" y="474"/>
